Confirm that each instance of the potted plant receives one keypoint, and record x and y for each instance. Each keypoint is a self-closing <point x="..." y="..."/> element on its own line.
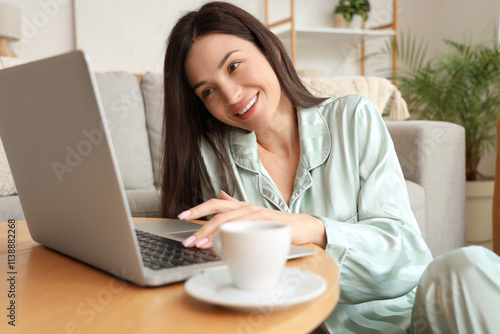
<point x="355" y="12"/>
<point x="462" y="86"/>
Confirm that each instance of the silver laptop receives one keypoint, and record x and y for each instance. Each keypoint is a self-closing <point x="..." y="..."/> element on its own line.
<point x="77" y="205"/>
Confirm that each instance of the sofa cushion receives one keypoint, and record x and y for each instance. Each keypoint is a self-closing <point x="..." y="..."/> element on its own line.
<point x="152" y="93"/>
<point x="7" y="186"/>
<point x="144" y="202"/>
<point x="124" y="108"/>
<point x="416" y="193"/>
<point x="10" y="208"/>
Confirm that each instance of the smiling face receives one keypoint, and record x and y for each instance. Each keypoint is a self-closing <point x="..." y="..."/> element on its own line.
<point x="235" y="81"/>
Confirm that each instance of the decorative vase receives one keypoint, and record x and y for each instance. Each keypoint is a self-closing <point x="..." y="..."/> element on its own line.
<point x="356" y="22"/>
<point x="339" y="21"/>
<point x="478" y="212"/>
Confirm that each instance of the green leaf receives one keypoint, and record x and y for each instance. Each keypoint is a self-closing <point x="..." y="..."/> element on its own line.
<point x="460" y="86"/>
<point x="349" y="8"/>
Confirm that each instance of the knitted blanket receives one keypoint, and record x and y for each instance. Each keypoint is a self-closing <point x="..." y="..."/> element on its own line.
<point x="386" y="97"/>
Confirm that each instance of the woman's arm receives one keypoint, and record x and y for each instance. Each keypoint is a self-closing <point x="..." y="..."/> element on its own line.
<point x="380" y="251"/>
<point x="305" y="228"/>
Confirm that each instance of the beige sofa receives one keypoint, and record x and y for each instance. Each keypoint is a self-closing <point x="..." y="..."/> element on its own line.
<point x="431" y="153"/>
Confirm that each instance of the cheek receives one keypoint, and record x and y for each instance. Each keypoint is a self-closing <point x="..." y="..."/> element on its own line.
<point x="215" y="110"/>
<point x="274" y="89"/>
<point x="272" y="80"/>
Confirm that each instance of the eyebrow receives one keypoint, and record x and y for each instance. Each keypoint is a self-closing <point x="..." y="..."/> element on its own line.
<point x="221" y="63"/>
<point x="225" y="58"/>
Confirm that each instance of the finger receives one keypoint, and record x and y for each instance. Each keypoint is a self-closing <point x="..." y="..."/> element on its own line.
<point x="206" y="245"/>
<point x="210" y="207"/>
<point x="249" y="212"/>
<point x="223" y="195"/>
<point x="200" y="237"/>
<point x="245" y="212"/>
<point x="202" y="243"/>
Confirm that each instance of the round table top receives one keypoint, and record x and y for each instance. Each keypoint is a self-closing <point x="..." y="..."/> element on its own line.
<point x="56" y="294"/>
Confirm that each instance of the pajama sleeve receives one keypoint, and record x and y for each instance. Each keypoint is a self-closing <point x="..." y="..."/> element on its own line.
<point x="380" y="251"/>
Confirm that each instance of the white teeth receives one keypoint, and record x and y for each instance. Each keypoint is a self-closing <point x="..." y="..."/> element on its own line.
<point x="249" y="105"/>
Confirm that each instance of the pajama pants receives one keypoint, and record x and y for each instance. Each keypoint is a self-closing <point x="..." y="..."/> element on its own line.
<point x="459" y="292"/>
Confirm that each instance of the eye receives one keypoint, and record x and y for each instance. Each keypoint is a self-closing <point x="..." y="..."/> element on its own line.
<point x="206" y="92"/>
<point x="233" y="66"/>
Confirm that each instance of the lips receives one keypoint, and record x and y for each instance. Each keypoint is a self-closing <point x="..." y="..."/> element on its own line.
<point x="245" y="106"/>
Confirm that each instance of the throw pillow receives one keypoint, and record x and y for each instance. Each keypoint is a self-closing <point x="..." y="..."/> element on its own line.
<point x="152" y="92"/>
<point x="7" y="186"/>
<point x="124" y="108"/>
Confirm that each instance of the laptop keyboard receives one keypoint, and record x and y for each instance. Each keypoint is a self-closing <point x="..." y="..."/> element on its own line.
<point x="162" y="253"/>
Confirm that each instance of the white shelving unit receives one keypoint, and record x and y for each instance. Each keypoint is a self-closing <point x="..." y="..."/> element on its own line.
<point x="316" y="34"/>
<point x="287" y="31"/>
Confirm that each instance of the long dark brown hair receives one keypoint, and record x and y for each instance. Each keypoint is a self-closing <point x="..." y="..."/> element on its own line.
<point x="187" y="121"/>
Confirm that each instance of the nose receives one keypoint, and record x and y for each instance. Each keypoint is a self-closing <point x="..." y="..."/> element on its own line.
<point x="231" y="92"/>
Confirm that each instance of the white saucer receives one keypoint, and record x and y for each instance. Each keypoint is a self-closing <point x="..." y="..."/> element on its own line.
<point x="216" y="286"/>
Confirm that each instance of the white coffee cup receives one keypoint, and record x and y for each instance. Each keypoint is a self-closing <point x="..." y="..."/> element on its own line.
<point x="255" y="251"/>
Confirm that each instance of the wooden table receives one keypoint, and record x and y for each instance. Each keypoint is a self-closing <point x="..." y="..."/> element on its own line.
<point x="56" y="294"/>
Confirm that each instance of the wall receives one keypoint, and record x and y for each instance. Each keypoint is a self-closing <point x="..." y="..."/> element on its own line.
<point x="128" y="35"/>
<point x="47" y="25"/>
<point x="47" y="29"/>
<point x="457" y="20"/>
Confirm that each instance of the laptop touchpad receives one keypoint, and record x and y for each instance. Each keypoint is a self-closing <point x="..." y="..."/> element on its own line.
<point x="179" y="236"/>
<point x="179" y="228"/>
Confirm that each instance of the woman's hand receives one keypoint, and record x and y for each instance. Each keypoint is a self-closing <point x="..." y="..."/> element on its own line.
<point x="305" y="228"/>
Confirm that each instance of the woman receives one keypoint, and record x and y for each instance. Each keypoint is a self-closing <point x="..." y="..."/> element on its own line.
<point x="245" y="140"/>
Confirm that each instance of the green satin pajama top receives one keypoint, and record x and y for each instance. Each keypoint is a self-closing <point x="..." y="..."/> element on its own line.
<point x="349" y="177"/>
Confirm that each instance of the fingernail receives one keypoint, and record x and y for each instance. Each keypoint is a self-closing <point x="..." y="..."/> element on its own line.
<point x="223" y="192"/>
<point x="189" y="241"/>
<point x="184" y="214"/>
<point x="201" y="242"/>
